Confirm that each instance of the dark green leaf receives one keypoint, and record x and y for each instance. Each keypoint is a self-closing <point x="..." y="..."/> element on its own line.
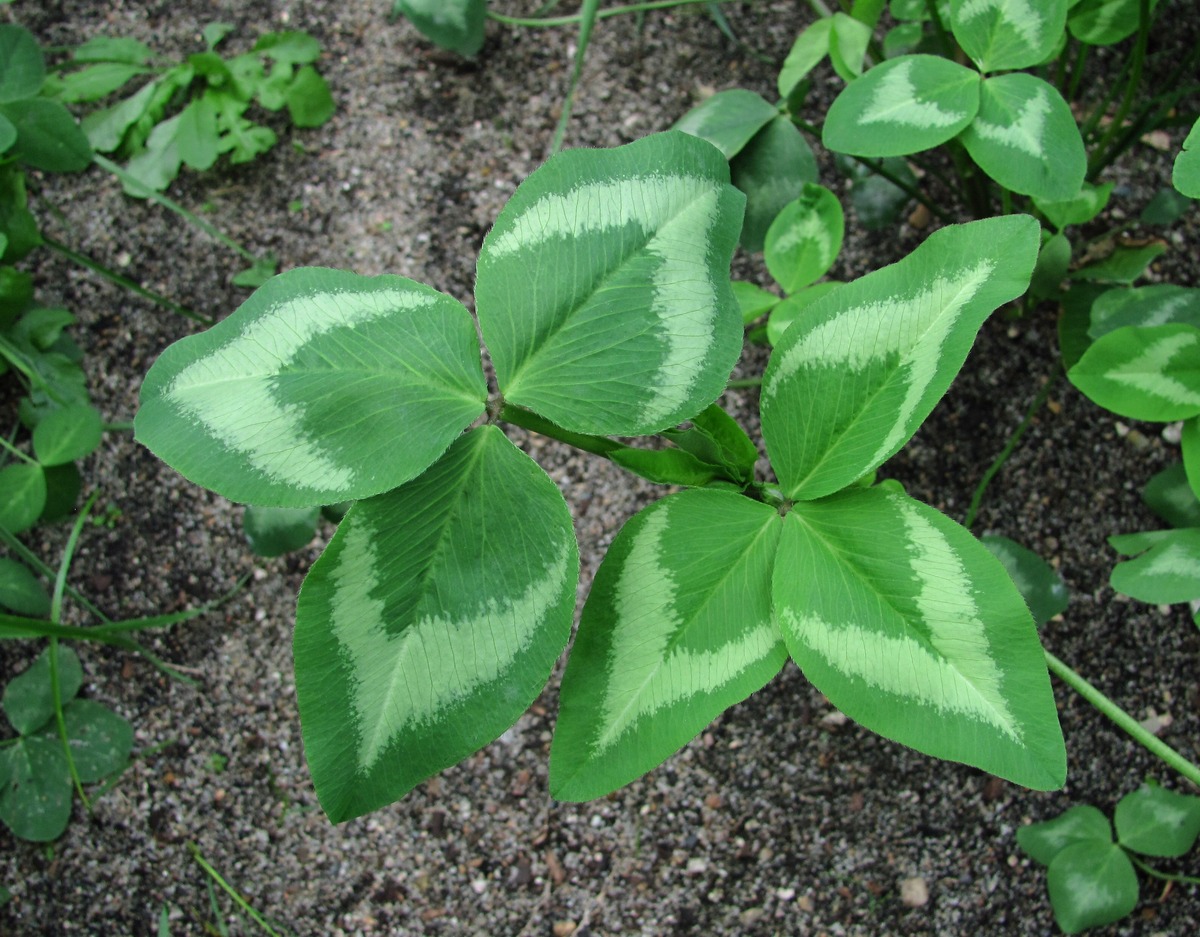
<point x="28" y="701"/>
<point x="276" y="531"/>
<point x="36" y="802"/>
<point x="63" y="485"/>
<point x="1158" y="822"/>
<point x="1081" y="824"/>
<point x="67" y="434"/>
<point x="772" y="170"/>
<point x="100" y="739"/>
<point x="22" y="496"/>
<point x="457" y="25"/>
<point x="1091" y="884"/>
<point x="22" y="68"/>
<point x="1169" y="495"/>
<point x="21" y="591"/>
<point x="1040" y="586"/>
<point x="714" y="437"/>
<point x="728" y="120"/>
<point x="665" y="466"/>
<point x="1123" y="265"/>
<point x="47" y="136"/>
<point x="1054" y="260"/>
<point x="1166" y="207"/>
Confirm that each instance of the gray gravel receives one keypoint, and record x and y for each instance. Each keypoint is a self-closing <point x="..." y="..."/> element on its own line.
<point x="782" y="818"/>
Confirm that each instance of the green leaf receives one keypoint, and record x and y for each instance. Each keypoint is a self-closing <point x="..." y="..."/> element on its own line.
<point x="714" y="437"/>
<point x="63" y="485"/>
<point x="100" y="739"/>
<point x="67" y="434"/>
<point x="22" y="68"/>
<point x="28" y="700"/>
<point x="728" y="119"/>
<point x="772" y="170"/>
<point x="1158" y="822"/>
<point x="431" y="622"/>
<point x="665" y="466"/>
<point x="851" y="381"/>
<point x="1104" y="22"/>
<point x="214" y="32"/>
<point x="1146" y="305"/>
<point x="1190" y="447"/>
<point x="323" y="386"/>
<point x="902" y="40"/>
<point x="158" y="164"/>
<point x="22" y="496"/>
<point x="795" y="306"/>
<point x="1165" y="208"/>
<point x="1040" y="586"/>
<point x="603" y="288"/>
<point x="36" y="802"/>
<point x="903" y="106"/>
<point x="1054" y="260"/>
<point x="805" y="238"/>
<point x="1169" y="495"/>
<point x="8" y="136"/>
<point x="16" y="223"/>
<point x="810" y="47"/>
<point x="677" y="628"/>
<point x="47" y="136"/>
<point x="1091" y="884"/>
<point x="113" y="49"/>
<point x="912" y="628"/>
<point x="1185" y="175"/>
<point x="848" y="41"/>
<point x="105" y="129"/>
<point x="1079" y="209"/>
<point x="457" y="25"/>
<point x="1123" y="265"/>
<point x="258" y="273"/>
<point x="97" y="81"/>
<point x="21" y="591"/>
<point x="878" y="202"/>
<point x="196" y="139"/>
<point x="1143" y="372"/>
<point x="1167" y="573"/>
<point x="241" y="138"/>
<point x="1081" y="824"/>
<point x="1076" y="301"/>
<point x="753" y="300"/>
<point x="293" y="47"/>
<point x="276" y="531"/>
<point x="1026" y="138"/>
<point x="1006" y="34"/>
<point x="309" y="100"/>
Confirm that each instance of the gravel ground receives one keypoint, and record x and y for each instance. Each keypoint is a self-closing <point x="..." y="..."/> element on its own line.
<point x="782" y="818"/>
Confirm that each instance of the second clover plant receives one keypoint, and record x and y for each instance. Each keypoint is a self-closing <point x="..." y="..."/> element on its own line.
<point x="437" y="611"/>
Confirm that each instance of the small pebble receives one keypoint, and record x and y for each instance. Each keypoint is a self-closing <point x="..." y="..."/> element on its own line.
<point x="914" y="893"/>
<point x="564" y="928"/>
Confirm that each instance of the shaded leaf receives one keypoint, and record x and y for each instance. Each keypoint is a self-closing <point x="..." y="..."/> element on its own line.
<point x="1144" y="373"/>
<point x="1091" y="884"/>
<point x="772" y="170"/>
<point x="21" y="591"/>
<point x="728" y="119"/>
<point x="100" y="739"/>
<point x="28" y="701"/>
<point x="1040" y="586"/>
<point x="457" y="25"/>
<point x="1158" y="822"/>
<point x="67" y="434"/>
<point x="276" y="531"/>
<point x="1080" y="824"/>
<point x="36" y="802"/>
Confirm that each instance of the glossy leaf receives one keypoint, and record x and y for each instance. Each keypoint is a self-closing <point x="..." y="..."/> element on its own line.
<point x="851" y="381"/>
<point x="1161" y="304"/>
<point x="35" y="803"/>
<point x="1158" y="822"/>
<point x="805" y="238"/>
<point x="22" y="68"/>
<point x="100" y="739"/>
<point x="753" y="300"/>
<point x="28" y="700"/>
<point x="1169" y="496"/>
<point x="903" y="106"/>
<point x="431" y="622"/>
<point x="323" y="386"/>
<point x="1080" y="824"/>
<point x="1143" y="373"/>
<point x="1091" y="884"/>
<point x="457" y="25"/>
<point x="1040" y="586"/>
<point x="677" y="628"/>
<point x="22" y="496"/>
<point x="603" y="288"/>
<point x="1168" y="572"/>
<point x="21" y="591"/>
<point x="810" y="47"/>
<point x="728" y="119"/>
<point x="1185" y="175"/>
<point x="912" y="628"/>
<point x="1026" y="138"/>
<point x="276" y="531"/>
<point x="1007" y="34"/>
<point x="1104" y="22"/>
<point x="67" y="434"/>
<point x="795" y="306"/>
<point x="772" y="170"/>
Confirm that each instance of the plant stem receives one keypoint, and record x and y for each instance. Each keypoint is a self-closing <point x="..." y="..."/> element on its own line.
<point x="1006" y="452"/>
<point x="113" y="277"/>
<point x="17" y="452"/>
<point x="1161" y="876"/>
<point x="579" y="17"/>
<point x="1123" y="720"/>
<point x="586" y="22"/>
<point x="742" y="382"/>
<point x="527" y="419"/>
<point x="230" y="890"/>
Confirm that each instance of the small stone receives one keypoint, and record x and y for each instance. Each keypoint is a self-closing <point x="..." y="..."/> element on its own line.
<point x="479" y="885"/>
<point x="564" y="928"/>
<point x="805" y="903"/>
<point x="833" y="720"/>
<point x="914" y="893"/>
<point x="713" y="801"/>
<point x="785" y="894"/>
<point x="697" y="866"/>
<point x="751" y="916"/>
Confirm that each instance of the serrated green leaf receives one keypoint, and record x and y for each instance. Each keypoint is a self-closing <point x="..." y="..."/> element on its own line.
<point x="241" y="138"/>
<point x="22" y="68"/>
<point x="100" y="739"/>
<point x="28" y="701"/>
<point x="431" y="622"/>
<point x="1040" y="586"/>
<point x="1168" y="572"/>
<point x="1080" y="824"/>
<point x="67" y="434"/>
<point x="771" y="170"/>
<point x="1091" y="884"/>
<point x="21" y="591"/>
<point x="728" y="119"/>
<point x="795" y="306"/>
<point x="1079" y="209"/>
<point x="47" y="136"/>
<point x="309" y="100"/>
<point x="457" y="25"/>
<point x="805" y="238"/>
<point x="276" y="531"/>
<point x="36" y="802"/>
<point x="1143" y="372"/>
<point x="912" y="628"/>
<point x="1104" y="22"/>
<point x="677" y="628"/>
<point x="1185" y="175"/>
<point x="810" y="47"/>
<point x="22" y="496"/>
<point x="603" y="288"/>
<point x="1123" y="265"/>
<point x="753" y="300"/>
<point x="323" y="386"/>
<point x="105" y="129"/>
<point x="902" y="106"/>
<point x="851" y="381"/>
<point x="1157" y="822"/>
<point x="1163" y="304"/>
<point x="158" y="164"/>
<point x="1169" y="495"/>
<point x="1006" y="34"/>
<point x="1026" y="138"/>
<point x="292" y="47"/>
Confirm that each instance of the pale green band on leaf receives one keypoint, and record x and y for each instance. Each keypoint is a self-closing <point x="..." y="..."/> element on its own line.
<point x="895" y="101"/>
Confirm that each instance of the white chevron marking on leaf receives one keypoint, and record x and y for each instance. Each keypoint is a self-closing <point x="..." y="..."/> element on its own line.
<point x="678" y="211"/>
<point x="1026" y="132"/>
<point x="412" y="677"/>
<point x="1019" y="14"/>
<point x="643" y="675"/>
<point x="252" y="420"/>
<point x="1147" y="372"/>
<point x="811" y="232"/>
<point x="1175" y="560"/>
<point x="895" y="102"/>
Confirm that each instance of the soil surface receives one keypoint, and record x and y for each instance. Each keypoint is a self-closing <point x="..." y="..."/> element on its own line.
<point x="782" y="817"/>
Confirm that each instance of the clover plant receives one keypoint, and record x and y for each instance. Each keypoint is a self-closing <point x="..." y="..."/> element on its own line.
<point x="436" y="612"/>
